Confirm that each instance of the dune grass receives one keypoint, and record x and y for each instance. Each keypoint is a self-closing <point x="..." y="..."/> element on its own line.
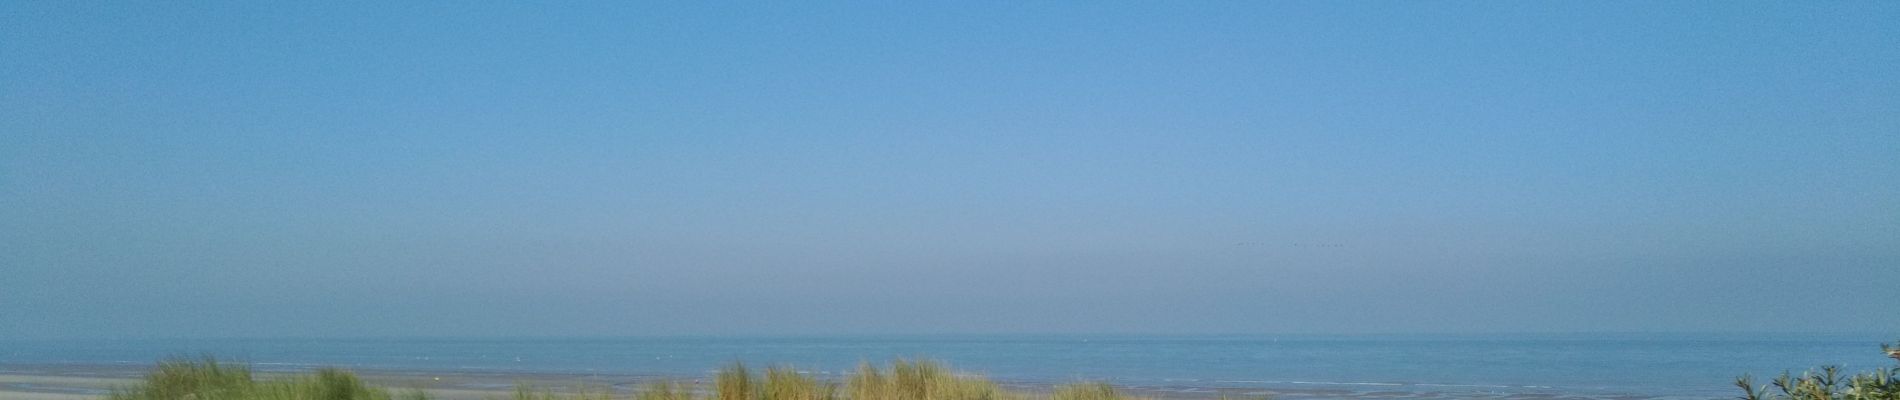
<point x="664" y="390"/>
<point x="210" y="379"/>
<point x="1086" y="391"/>
<point x="920" y="380"/>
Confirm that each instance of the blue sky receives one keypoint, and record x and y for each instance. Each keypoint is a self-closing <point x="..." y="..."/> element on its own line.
<point x="589" y="169"/>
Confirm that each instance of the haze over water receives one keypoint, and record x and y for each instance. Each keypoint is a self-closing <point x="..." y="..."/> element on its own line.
<point x="182" y="172"/>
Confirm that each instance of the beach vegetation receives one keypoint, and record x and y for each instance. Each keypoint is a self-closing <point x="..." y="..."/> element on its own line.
<point x="920" y="380"/>
<point x="1086" y="391"/>
<point x="524" y="391"/>
<point x="785" y="383"/>
<point x="1828" y="383"/>
<point x="734" y="383"/>
<point x="665" y="390"/>
<point x="209" y="379"/>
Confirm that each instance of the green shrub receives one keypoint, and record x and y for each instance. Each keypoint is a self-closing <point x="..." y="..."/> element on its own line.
<point x="1828" y="384"/>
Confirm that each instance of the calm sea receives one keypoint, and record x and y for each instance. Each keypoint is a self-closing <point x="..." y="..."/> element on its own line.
<point x="1670" y="366"/>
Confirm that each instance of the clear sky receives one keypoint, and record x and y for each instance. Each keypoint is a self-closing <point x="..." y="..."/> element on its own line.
<point x="187" y="169"/>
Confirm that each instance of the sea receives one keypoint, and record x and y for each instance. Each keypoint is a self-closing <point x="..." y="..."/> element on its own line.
<point x="1527" y="366"/>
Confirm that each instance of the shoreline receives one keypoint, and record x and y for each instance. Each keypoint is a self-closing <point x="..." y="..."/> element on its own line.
<point x="94" y="381"/>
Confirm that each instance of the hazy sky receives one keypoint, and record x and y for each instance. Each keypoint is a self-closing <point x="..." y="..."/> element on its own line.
<point x="189" y="169"/>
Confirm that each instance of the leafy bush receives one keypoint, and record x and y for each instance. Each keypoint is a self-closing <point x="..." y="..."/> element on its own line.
<point x="1828" y="384"/>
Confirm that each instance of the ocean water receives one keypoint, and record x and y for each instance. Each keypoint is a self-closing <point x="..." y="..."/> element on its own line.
<point x="1597" y="366"/>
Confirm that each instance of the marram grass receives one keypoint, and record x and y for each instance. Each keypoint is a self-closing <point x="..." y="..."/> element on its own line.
<point x="664" y="390"/>
<point x="209" y="379"/>
<point x="1086" y="391"/>
<point x="920" y="380"/>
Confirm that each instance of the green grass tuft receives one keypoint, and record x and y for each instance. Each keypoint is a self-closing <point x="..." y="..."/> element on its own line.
<point x="785" y="383"/>
<point x="664" y="390"/>
<point x="734" y="382"/>
<point x="919" y="380"/>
